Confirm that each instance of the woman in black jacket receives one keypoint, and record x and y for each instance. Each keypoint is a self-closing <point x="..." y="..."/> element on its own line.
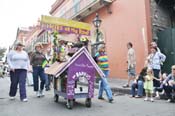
<point x="138" y="84"/>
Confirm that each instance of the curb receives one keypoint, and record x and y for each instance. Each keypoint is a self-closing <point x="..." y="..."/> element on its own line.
<point x="114" y="89"/>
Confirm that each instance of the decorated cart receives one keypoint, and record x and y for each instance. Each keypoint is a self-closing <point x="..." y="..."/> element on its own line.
<point x="81" y="68"/>
<point x="70" y="72"/>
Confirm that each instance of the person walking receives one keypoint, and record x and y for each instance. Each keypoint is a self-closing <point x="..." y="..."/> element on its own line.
<point x="18" y="61"/>
<point x="102" y="61"/>
<point x="154" y="61"/>
<point x="37" y="60"/>
<point x="49" y="62"/>
<point x="131" y="60"/>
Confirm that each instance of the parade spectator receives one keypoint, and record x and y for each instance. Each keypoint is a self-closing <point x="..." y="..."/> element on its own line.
<point x="37" y="59"/>
<point x="102" y="61"/>
<point x="18" y="61"/>
<point x="163" y="80"/>
<point x="148" y="85"/>
<point x="154" y="61"/>
<point x="49" y="62"/>
<point x="138" y="84"/>
<point x="154" y="44"/>
<point x="170" y="86"/>
<point x="131" y="60"/>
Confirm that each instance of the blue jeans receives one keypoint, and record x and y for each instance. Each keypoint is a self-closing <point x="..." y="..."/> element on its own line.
<point x="38" y="71"/>
<point x="18" y="77"/>
<point x="139" y="87"/>
<point x="103" y="85"/>
<point x="48" y="80"/>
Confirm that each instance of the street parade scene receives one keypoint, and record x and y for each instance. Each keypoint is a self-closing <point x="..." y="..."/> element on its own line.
<point x="87" y="58"/>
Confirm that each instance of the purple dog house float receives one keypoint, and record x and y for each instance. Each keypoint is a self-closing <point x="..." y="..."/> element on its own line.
<point x="80" y="68"/>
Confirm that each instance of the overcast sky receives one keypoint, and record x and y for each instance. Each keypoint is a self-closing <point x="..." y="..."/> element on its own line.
<point x="20" y="13"/>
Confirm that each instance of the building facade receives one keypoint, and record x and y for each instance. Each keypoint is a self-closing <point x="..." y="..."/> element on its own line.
<point x="123" y="21"/>
<point x="163" y="29"/>
<point x="21" y="35"/>
<point x="29" y="36"/>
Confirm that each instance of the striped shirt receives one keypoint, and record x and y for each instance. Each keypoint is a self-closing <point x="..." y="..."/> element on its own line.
<point x="102" y="61"/>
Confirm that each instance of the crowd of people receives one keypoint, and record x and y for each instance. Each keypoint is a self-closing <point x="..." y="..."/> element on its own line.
<point x="26" y="67"/>
<point x="150" y="81"/>
<point x="30" y="68"/>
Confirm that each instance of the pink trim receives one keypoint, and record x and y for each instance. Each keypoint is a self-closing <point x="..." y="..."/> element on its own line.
<point x="56" y="5"/>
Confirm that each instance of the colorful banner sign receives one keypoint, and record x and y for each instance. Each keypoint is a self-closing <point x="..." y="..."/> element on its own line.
<point x="63" y="25"/>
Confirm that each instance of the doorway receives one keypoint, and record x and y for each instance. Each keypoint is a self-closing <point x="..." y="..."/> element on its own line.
<point x="166" y="43"/>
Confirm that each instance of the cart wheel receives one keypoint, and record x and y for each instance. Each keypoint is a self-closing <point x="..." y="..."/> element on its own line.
<point x="88" y="102"/>
<point x="56" y="97"/>
<point x="69" y="104"/>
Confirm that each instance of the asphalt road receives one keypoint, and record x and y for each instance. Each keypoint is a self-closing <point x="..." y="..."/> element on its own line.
<point x="122" y="106"/>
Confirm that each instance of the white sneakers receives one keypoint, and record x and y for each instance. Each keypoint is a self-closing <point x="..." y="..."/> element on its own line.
<point x="12" y="98"/>
<point x="39" y="94"/>
<point x="146" y="99"/>
<point x="169" y="100"/>
<point x="25" y="100"/>
<point x="151" y="99"/>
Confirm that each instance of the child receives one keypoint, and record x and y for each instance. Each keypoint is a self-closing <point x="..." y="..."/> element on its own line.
<point x="148" y="84"/>
<point x="162" y="81"/>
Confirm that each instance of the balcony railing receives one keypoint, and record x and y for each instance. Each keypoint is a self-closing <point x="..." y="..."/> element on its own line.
<point x="44" y="38"/>
<point x="76" y="8"/>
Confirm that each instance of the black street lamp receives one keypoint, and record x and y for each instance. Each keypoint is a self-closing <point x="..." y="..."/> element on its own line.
<point x="97" y="22"/>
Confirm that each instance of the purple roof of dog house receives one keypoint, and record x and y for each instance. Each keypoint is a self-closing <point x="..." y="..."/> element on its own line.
<point x="80" y="60"/>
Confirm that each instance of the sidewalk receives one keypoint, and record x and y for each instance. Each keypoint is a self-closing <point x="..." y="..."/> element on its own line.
<point x="116" y="85"/>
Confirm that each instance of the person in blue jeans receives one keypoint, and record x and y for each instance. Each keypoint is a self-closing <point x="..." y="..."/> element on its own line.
<point x="138" y="84"/>
<point x="37" y="60"/>
<point x="102" y="61"/>
<point x="18" y="61"/>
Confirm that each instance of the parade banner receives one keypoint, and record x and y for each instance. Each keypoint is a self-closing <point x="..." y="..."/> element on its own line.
<point x="64" y="25"/>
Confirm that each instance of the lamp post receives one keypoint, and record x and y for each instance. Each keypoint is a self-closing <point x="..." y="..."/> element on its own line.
<point x="97" y="22"/>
